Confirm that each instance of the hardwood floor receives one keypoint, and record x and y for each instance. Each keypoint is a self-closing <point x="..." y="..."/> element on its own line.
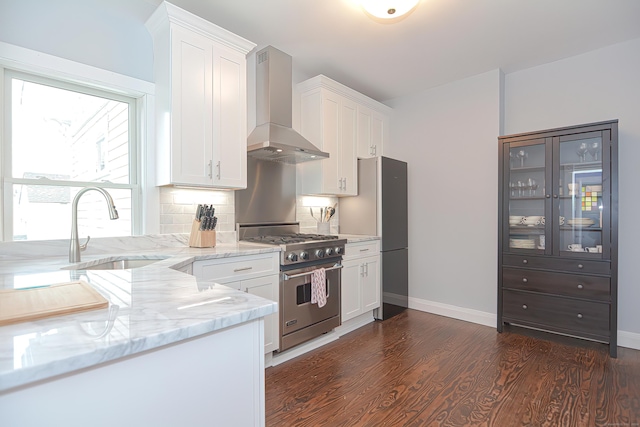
<point x="419" y="369"/>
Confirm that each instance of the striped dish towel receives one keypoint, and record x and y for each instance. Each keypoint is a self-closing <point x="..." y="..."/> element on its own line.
<point x="319" y="287"/>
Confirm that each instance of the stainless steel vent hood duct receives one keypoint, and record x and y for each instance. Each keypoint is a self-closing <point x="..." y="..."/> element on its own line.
<point x="273" y="138"/>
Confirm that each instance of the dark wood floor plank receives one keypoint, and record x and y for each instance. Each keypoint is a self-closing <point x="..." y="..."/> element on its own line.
<point x="418" y="369"/>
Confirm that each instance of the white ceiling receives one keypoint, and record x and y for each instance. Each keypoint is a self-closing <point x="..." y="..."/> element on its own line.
<point x="440" y="42"/>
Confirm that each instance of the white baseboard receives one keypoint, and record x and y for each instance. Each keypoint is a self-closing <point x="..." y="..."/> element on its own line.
<point x="273" y="359"/>
<point x="625" y="339"/>
<point x="299" y="350"/>
<point x="453" y="311"/>
<point x="355" y="323"/>
<point x="629" y="340"/>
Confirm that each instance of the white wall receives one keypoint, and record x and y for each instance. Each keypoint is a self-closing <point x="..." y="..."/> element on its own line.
<point x="448" y="136"/>
<point x="599" y="85"/>
<point x="92" y="32"/>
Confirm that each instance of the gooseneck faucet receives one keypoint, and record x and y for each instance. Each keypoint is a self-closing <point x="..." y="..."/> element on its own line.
<point x="74" y="246"/>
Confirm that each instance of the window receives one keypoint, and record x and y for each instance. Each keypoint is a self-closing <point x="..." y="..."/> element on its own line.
<point x="60" y="138"/>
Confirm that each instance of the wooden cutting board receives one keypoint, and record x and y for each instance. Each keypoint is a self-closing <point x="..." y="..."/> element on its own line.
<point x="23" y="305"/>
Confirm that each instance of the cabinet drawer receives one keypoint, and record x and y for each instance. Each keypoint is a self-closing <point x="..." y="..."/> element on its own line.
<point x="570" y="316"/>
<point x="237" y="268"/>
<point x="566" y="264"/>
<point x="573" y="285"/>
<point x="359" y="250"/>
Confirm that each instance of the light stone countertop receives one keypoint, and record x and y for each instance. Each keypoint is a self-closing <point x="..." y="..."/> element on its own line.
<point x="149" y="307"/>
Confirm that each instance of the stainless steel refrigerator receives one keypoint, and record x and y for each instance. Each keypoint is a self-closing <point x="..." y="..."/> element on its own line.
<point x="380" y="209"/>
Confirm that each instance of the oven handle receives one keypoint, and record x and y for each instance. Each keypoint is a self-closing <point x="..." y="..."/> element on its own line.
<point x="287" y="277"/>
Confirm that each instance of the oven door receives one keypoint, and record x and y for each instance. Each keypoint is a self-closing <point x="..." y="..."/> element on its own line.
<point x="296" y="310"/>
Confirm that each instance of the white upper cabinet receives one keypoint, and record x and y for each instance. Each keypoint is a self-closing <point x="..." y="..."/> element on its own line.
<point x="373" y="130"/>
<point x="343" y="123"/>
<point x="201" y="107"/>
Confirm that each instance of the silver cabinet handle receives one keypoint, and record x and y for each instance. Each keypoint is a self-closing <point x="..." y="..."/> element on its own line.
<point x="364" y="250"/>
<point x="210" y="168"/>
<point x="580" y="266"/>
<point x="580" y="286"/>
<point x="242" y="269"/>
<point x="524" y="261"/>
<point x="579" y="316"/>
<point x="287" y="277"/>
<point x="525" y="280"/>
<point x="366" y="269"/>
<point x="524" y="306"/>
<point x="361" y="270"/>
<point x="219" y="170"/>
<point x="345" y="184"/>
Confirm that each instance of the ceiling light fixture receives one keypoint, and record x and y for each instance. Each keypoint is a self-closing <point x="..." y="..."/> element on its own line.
<point x="388" y="10"/>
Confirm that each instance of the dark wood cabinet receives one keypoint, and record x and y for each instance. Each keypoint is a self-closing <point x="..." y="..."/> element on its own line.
<point x="558" y="231"/>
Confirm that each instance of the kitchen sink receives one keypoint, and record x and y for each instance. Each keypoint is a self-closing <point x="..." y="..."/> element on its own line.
<point x="117" y="264"/>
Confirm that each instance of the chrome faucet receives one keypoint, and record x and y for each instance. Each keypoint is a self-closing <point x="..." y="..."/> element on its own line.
<point x="74" y="246"/>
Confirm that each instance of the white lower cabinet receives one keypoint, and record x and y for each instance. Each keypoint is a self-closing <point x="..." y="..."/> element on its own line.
<point x="255" y="274"/>
<point x="360" y="279"/>
<point x="266" y="287"/>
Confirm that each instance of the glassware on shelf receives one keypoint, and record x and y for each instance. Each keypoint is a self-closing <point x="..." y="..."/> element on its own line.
<point x="594" y="149"/>
<point x="521" y="155"/>
<point x="533" y="186"/>
<point x="582" y="151"/>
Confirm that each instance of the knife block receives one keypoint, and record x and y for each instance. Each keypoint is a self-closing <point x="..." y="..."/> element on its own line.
<point x="201" y="239"/>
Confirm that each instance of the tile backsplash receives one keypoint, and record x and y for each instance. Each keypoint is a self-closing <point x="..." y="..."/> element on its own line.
<point x="178" y="208"/>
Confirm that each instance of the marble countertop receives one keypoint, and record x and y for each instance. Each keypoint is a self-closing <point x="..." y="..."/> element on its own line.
<point x="149" y="307"/>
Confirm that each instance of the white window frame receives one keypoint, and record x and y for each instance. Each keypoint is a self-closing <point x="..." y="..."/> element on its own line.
<point x="145" y="216"/>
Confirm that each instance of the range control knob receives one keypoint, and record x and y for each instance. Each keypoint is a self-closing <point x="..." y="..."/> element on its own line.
<point x="304" y="255"/>
<point x="320" y="253"/>
<point x="338" y="250"/>
<point x="292" y="257"/>
<point x="329" y="251"/>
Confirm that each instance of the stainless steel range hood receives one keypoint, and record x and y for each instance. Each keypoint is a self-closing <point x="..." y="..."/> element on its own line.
<point x="273" y="138"/>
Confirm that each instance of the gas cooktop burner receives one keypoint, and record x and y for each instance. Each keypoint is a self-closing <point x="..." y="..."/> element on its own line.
<point x="289" y="238"/>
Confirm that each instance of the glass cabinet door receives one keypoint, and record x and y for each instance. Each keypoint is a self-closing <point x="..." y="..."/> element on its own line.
<point x="579" y="195"/>
<point x="525" y="189"/>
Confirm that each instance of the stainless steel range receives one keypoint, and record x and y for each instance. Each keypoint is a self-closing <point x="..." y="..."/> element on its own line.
<point x="301" y="255"/>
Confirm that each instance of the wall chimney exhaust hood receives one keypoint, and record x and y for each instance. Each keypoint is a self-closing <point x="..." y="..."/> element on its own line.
<point x="273" y="138"/>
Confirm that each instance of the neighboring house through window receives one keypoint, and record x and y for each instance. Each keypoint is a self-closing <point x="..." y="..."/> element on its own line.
<point x="58" y="138"/>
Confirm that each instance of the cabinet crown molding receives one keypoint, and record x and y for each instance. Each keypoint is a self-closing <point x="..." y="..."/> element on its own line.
<point x="323" y="82"/>
<point x="168" y="13"/>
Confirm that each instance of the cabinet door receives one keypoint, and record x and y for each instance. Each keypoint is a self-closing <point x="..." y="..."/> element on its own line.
<point x="348" y="170"/>
<point x="371" y="128"/>
<point x="351" y="294"/>
<point x="229" y="117"/>
<point x="526" y="186"/>
<point x="266" y="287"/>
<point x="581" y="192"/>
<point x="364" y="150"/>
<point x="331" y="178"/>
<point x="191" y="107"/>
<point x="371" y="283"/>
<point x="379" y="125"/>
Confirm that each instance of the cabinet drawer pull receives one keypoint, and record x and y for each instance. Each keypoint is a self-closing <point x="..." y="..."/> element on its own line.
<point x="364" y="250"/>
<point x="580" y="286"/>
<point x="524" y="261"/>
<point x="580" y="266"/>
<point x="525" y="280"/>
<point x="524" y="306"/>
<point x="579" y="316"/>
<point x="242" y="269"/>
